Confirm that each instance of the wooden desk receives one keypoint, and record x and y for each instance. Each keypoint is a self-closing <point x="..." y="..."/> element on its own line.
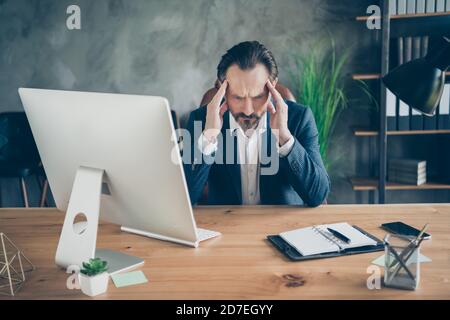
<point x="241" y="264"/>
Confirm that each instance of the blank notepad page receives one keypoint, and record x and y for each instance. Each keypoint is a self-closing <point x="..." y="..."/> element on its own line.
<point x="308" y="241"/>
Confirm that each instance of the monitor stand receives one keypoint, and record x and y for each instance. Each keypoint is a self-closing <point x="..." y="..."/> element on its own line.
<point x="77" y="243"/>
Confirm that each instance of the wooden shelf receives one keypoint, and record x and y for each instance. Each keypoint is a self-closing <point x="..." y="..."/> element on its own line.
<point x="371" y="133"/>
<point x="375" y="76"/>
<point x="406" y="16"/>
<point x="366" y="76"/>
<point x="368" y="184"/>
<point x="393" y="27"/>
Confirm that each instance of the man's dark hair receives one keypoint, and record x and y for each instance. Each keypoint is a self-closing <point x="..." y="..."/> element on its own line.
<point x="247" y="55"/>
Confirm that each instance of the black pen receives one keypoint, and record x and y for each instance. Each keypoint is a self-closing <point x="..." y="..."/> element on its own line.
<point x="339" y="235"/>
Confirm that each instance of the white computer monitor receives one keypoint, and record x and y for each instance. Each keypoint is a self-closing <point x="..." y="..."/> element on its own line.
<point x="120" y="143"/>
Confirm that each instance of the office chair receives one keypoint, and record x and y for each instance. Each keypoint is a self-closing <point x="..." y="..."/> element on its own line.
<point x="175" y="119"/>
<point x="19" y="157"/>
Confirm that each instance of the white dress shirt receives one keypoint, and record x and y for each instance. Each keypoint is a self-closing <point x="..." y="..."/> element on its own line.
<point x="249" y="147"/>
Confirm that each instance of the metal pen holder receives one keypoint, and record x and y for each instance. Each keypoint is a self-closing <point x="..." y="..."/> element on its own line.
<point x="402" y="265"/>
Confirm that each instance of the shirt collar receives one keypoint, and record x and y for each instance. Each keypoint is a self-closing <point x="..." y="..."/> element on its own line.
<point x="261" y="128"/>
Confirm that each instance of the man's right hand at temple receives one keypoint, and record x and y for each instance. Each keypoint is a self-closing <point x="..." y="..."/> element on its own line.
<point x="214" y="114"/>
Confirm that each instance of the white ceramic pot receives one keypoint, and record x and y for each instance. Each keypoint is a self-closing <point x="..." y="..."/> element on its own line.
<point x="93" y="286"/>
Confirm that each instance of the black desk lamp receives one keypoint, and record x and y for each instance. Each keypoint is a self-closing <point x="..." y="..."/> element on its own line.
<point x="419" y="83"/>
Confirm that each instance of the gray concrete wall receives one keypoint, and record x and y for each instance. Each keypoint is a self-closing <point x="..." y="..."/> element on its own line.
<point x="171" y="48"/>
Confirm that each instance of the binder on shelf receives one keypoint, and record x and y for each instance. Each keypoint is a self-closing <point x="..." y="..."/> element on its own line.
<point x="407" y="49"/>
<point x="410" y="6"/>
<point x="400" y="50"/>
<point x="408" y="42"/>
<point x="401" y="6"/>
<point x="444" y="109"/>
<point x="392" y="7"/>
<point x="424" y="46"/>
<point x="430" y="6"/>
<point x="440" y="5"/>
<point x="403" y="116"/>
<point x="416" y="49"/>
<point x="420" y="6"/>
<point x="391" y="101"/>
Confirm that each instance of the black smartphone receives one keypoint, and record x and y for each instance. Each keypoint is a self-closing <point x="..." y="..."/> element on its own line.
<point x="403" y="229"/>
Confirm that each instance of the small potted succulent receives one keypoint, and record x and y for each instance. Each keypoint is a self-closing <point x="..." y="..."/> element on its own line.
<point x="94" y="277"/>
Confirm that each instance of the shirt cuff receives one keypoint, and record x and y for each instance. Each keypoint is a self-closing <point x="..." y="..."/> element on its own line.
<point x="205" y="146"/>
<point x="286" y="147"/>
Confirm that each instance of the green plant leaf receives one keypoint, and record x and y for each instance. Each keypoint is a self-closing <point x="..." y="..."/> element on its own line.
<point x="94" y="267"/>
<point x="318" y="85"/>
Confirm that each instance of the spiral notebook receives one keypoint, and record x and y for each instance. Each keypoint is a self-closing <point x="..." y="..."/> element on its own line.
<point x="317" y="240"/>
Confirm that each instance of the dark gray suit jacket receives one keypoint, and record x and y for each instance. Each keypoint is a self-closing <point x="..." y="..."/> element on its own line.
<point x="301" y="177"/>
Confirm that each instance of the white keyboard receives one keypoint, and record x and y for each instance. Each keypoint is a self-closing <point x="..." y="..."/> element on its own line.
<point x="204" y="234"/>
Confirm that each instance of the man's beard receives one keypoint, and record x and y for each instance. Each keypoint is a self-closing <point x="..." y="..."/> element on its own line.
<point x="247" y="122"/>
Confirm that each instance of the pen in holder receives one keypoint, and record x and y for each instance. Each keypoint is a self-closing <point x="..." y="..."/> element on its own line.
<point x="402" y="265"/>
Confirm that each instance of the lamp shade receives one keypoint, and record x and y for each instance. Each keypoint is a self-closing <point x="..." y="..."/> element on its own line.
<point x="420" y="83"/>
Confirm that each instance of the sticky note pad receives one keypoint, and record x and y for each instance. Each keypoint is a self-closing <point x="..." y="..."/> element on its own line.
<point x="128" y="279"/>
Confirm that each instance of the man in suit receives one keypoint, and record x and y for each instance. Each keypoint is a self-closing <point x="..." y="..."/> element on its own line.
<point x="248" y="144"/>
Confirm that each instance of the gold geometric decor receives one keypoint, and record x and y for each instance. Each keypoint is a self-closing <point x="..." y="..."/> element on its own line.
<point x="13" y="266"/>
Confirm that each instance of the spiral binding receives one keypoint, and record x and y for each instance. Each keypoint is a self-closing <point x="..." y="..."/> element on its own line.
<point x="330" y="238"/>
